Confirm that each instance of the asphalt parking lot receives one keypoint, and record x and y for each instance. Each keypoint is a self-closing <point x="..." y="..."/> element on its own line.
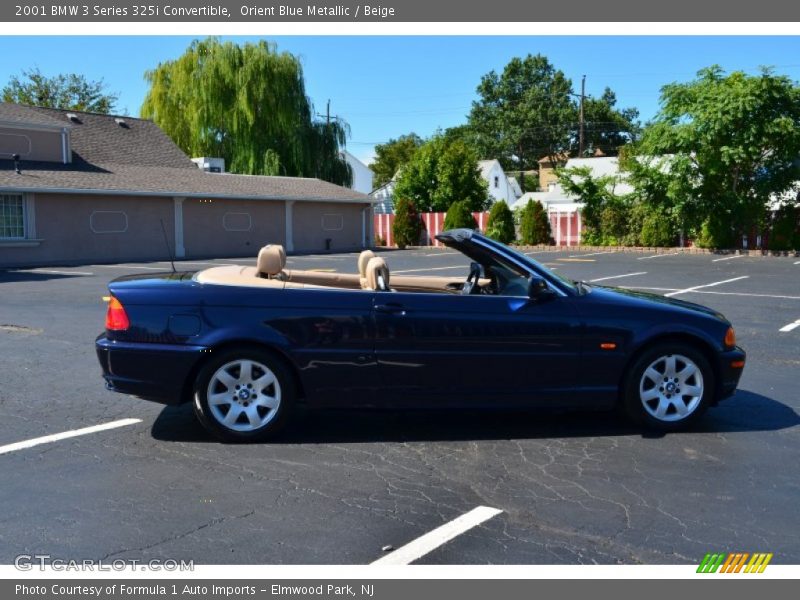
<point x="338" y="487"/>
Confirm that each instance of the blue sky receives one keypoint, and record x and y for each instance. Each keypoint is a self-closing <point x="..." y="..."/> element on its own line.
<point x="390" y="85"/>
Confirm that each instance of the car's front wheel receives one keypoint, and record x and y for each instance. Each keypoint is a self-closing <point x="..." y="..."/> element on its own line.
<point x="243" y="395"/>
<point x="668" y="387"/>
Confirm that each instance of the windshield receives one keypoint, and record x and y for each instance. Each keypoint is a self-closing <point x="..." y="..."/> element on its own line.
<point x="538" y="267"/>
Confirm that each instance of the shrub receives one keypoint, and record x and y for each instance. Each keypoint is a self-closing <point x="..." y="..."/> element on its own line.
<point x="459" y="215"/>
<point x="407" y="226"/>
<point x="534" y="226"/>
<point x="657" y="229"/>
<point x="785" y="234"/>
<point x="379" y="241"/>
<point x="715" y="232"/>
<point x="500" y="226"/>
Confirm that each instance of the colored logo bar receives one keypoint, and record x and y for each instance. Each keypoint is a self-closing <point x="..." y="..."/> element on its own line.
<point x="734" y="562"/>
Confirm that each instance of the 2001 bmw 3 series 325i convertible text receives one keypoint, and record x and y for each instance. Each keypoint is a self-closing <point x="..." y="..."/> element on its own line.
<point x="247" y="345"/>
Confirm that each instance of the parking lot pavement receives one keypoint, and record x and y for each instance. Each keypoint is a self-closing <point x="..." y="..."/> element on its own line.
<point x="147" y="482"/>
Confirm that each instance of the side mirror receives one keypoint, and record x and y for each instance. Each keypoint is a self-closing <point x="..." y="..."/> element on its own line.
<point x="539" y="291"/>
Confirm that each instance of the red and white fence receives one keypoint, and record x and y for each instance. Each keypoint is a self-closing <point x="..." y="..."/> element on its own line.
<point x="565" y="227"/>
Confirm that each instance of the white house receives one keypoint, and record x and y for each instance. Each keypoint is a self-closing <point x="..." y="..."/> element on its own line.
<point x="564" y="210"/>
<point x="500" y="185"/>
<point x="362" y="174"/>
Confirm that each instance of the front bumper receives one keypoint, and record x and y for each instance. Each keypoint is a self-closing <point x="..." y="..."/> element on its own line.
<point x="157" y="372"/>
<point x="729" y="374"/>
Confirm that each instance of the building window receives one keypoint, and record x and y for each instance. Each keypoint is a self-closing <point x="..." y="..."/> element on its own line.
<point x="12" y="217"/>
<point x="496" y="181"/>
<point x="333" y="222"/>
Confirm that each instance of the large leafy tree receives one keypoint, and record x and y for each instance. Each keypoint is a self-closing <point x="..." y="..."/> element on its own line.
<point x="730" y="142"/>
<point x="247" y="104"/>
<point x="606" y="128"/>
<point x="524" y="113"/>
<point x="530" y="111"/>
<point x="66" y="91"/>
<point x="441" y="173"/>
<point x="392" y="155"/>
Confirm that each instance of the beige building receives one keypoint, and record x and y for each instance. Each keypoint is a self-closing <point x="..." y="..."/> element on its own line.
<point x="80" y="187"/>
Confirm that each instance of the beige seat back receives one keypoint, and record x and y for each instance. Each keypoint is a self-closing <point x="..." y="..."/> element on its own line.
<point x="377" y="275"/>
<point x="363" y="259"/>
<point x="271" y="261"/>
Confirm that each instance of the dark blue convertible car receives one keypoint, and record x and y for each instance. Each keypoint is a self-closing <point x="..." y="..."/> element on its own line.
<point x="247" y="345"/>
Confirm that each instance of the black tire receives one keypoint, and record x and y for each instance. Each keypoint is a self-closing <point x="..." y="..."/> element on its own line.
<point x="213" y="415"/>
<point x="638" y="402"/>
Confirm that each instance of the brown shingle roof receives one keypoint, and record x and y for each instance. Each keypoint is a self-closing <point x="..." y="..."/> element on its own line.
<point x="17" y="113"/>
<point x="167" y="181"/>
<point x="140" y="159"/>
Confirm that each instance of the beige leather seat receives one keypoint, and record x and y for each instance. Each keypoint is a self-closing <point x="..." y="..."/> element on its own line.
<point x="363" y="259"/>
<point x="271" y="261"/>
<point x="377" y="275"/>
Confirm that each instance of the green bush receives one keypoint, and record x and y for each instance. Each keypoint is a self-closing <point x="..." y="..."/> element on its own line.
<point x="785" y="234"/>
<point x="657" y="229"/>
<point x="534" y="226"/>
<point x="715" y="232"/>
<point x="500" y="226"/>
<point x="459" y="215"/>
<point x="407" y="226"/>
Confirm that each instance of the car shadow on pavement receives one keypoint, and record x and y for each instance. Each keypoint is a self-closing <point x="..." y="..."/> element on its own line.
<point x="24" y="276"/>
<point x="747" y="411"/>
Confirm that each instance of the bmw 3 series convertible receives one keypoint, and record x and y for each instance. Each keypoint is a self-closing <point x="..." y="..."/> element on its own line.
<point x="248" y="345"/>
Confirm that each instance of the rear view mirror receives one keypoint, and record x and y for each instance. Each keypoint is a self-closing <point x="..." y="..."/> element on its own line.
<point x="538" y="290"/>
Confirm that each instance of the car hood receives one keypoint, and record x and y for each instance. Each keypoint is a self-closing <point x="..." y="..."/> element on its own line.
<point x="638" y="297"/>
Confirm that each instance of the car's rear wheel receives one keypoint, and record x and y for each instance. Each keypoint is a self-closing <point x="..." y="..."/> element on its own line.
<point x="668" y="387"/>
<point x="243" y="395"/>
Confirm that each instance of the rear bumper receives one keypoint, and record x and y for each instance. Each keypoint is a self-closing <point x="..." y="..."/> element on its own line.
<point x="156" y="372"/>
<point x="729" y="374"/>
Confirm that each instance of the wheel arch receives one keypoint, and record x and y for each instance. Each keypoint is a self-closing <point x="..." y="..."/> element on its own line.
<point x="188" y="385"/>
<point x="695" y="341"/>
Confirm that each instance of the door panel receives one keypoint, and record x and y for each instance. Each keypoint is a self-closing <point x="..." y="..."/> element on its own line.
<point x="443" y="349"/>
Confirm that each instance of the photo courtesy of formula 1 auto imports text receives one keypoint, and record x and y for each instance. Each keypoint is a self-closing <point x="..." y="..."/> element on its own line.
<point x="346" y="300"/>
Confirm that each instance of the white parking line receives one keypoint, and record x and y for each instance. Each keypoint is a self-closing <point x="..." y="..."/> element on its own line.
<point x="699" y="287"/>
<point x="54" y="272"/>
<point x="431" y="269"/>
<point x="441" y="253"/>
<point x="658" y="255"/>
<point x="729" y="257"/>
<point x="617" y="276"/>
<point x="593" y="254"/>
<point x="790" y="326"/>
<point x="65" y="435"/>
<point x="421" y="546"/>
<point x="798" y="262"/>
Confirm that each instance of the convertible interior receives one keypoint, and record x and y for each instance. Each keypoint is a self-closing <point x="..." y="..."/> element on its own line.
<point x="373" y="274"/>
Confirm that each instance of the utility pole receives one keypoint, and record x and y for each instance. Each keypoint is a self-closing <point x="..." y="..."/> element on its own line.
<point x="580" y="137"/>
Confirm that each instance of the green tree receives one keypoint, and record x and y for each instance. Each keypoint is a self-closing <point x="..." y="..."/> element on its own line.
<point x="247" y="104"/>
<point x="407" y="226"/>
<point x="530" y="111"/>
<point x="729" y="143"/>
<point x="459" y="215"/>
<point x="523" y="113"/>
<point x="500" y="225"/>
<point x="440" y="173"/>
<point x="392" y="155"/>
<point x="534" y="226"/>
<point x="606" y="128"/>
<point x="68" y="92"/>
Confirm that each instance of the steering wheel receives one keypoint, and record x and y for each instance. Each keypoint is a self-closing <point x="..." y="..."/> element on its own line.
<point x="471" y="284"/>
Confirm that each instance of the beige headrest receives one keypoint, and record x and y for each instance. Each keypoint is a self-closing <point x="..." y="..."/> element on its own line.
<point x="363" y="259"/>
<point x="271" y="260"/>
<point x="377" y="274"/>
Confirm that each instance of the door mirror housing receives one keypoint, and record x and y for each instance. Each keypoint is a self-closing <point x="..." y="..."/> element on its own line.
<point x="539" y="291"/>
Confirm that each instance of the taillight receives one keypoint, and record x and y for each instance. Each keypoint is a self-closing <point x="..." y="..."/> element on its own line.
<point x="730" y="338"/>
<point x="116" y="319"/>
